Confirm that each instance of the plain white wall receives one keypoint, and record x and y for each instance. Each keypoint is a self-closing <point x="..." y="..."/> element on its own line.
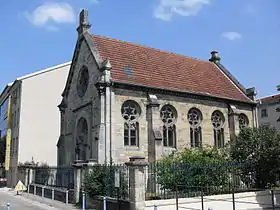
<point x="39" y="128"/>
<point x="272" y="115"/>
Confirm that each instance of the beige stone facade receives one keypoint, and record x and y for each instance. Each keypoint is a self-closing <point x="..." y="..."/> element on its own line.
<point x="182" y="106"/>
<point x="101" y="138"/>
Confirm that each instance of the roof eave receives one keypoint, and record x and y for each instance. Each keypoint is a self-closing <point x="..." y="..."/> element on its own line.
<point x="184" y="92"/>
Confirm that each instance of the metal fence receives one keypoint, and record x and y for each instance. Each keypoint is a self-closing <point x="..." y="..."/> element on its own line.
<point x="191" y="180"/>
<point x="58" y="177"/>
<point x="62" y="177"/>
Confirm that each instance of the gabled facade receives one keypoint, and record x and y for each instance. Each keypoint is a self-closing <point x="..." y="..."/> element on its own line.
<point x="123" y="99"/>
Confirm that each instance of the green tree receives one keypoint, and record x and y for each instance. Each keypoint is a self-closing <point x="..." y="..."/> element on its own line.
<point x="100" y="181"/>
<point x="259" y="149"/>
<point x="194" y="168"/>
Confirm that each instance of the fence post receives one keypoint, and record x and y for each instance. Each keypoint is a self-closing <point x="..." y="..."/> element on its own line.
<point x="177" y="200"/>
<point x="233" y="199"/>
<point x="272" y="199"/>
<point x="137" y="189"/>
<point x="104" y="203"/>
<point x="66" y="197"/>
<point x="43" y="192"/>
<point x="34" y="190"/>
<point x="202" y="199"/>
<point x="8" y="206"/>
<point x="84" y="201"/>
<point x="52" y="194"/>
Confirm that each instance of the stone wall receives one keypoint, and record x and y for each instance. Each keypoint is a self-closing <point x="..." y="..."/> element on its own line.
<point x="182" y="105"/>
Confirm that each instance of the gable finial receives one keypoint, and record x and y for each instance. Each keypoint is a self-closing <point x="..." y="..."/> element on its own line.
<point x="214" y="57"/>
<point x="107" y="64"/>
<point x="83" y="22"/>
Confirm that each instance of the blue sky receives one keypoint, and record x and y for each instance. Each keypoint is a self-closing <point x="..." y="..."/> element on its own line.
<point x="37" y="34"/>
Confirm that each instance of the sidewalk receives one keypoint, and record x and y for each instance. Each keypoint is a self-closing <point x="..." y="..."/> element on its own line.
<point x="37" y="200"/>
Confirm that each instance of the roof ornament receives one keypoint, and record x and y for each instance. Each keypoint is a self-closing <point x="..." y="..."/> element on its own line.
<point x="214" y="57"/>
<point x="107" y="64"/>
<point x="83" y="23"/>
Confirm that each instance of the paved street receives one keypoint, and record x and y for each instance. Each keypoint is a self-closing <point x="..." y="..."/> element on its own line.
<point x="25" y="202"/>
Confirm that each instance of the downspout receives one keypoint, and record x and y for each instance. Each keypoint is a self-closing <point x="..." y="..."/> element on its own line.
<point x="255" y="116"/>
<point x="107" y="124"/>
<point x="111" y="136"/>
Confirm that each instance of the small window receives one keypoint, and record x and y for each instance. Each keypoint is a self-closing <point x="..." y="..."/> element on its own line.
<point x="264" y="113"/>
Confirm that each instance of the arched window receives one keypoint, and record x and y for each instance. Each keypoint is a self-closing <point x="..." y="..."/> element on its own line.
<point x="82" y="139"/>
<point x="168" y="116"/>
<point x="243" y="121"/>
<point x="218" y="121"/>
<point x="195" y="119"/>
<point x="130" y="113"/>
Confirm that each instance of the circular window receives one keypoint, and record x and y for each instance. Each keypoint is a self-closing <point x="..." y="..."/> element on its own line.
<point x="243" y="121"/>
<point x="168" y="115"/>
<point x="130" y="111"/>
<point x="83" y="81"/>
<point x="217" y="119"/>
<point x="194" y="117"/>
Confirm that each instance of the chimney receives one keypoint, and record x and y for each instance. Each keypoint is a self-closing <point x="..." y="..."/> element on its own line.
<point x="83" y="23"/>
<point x="214" y="57"/>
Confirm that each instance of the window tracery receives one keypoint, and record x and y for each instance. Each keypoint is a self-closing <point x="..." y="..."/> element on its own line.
<point x="168" y="116"/>
<point x="243" y="121"/>
<point x="131" y="112"/>
<point x="195" y="119"/>
<point x="218" y="121"/>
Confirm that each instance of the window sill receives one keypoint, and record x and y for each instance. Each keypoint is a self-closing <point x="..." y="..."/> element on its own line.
<point x="132" y="148"/>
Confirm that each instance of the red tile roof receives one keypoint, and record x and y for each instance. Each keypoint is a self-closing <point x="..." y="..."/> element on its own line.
<point x="270" y="98"/>
<point x="132" y="63"/>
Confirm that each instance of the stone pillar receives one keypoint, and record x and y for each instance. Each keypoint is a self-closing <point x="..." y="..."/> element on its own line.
<point x="155" y="144"/>
<point x="32" y="171"/>
<point x="26" y="176"/>
<point x="233" y="122"/>
<point x="78" y="179"/>
<point x="137" y="182"/>
<point x="102" y="132"/>
<point x="154" y="132"/>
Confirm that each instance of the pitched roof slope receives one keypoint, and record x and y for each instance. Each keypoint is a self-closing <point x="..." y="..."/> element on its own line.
<point x="270" y="98"/>
<point x="132" y="63"/>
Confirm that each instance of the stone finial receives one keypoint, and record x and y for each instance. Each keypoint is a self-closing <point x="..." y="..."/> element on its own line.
<point x="84" y="17"/>
<point x="83" y="23"/>
<point x="107" y="64"/>
<point x="214" y="57"/>
<point x="251" y="93"/>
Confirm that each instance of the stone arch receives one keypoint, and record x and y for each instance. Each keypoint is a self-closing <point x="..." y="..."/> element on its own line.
<point x="82" y="137"/>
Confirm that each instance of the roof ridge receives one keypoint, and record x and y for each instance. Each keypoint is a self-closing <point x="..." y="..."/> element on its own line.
<point x="148" y="47"/>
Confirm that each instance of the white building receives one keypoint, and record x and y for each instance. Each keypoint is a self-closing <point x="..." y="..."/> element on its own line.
<point x="34" y="117"/>
<point x="269" y="110"/>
